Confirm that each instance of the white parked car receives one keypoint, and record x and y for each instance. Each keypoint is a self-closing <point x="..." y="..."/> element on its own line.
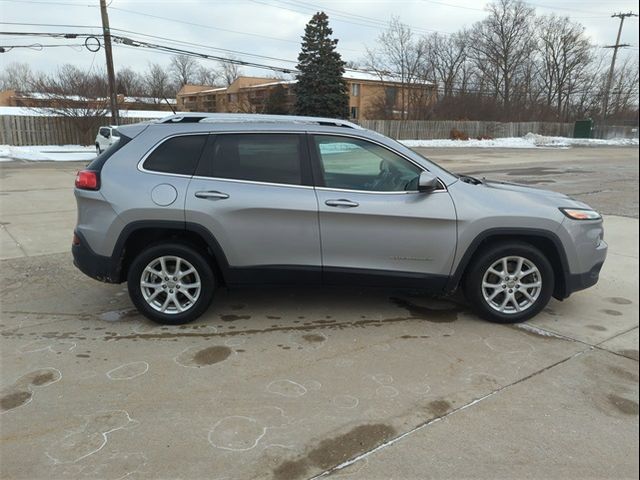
<point x="106" y="137"/>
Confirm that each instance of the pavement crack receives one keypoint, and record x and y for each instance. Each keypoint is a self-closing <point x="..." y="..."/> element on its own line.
<point x="452" y="412"/>
<point x="18" y="244"/>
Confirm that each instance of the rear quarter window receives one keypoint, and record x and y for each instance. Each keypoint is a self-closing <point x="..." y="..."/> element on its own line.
<point x="260" y="157"/>
<point x="178" y="155"/>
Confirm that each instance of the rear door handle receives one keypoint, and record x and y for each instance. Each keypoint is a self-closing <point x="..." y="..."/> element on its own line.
<point x="341" y="203"/>
<point x="212" y="195"/>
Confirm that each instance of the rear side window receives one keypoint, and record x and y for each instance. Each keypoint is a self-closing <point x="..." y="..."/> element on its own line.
<point x="271" y="158"/>
<point x="177" y="155"/>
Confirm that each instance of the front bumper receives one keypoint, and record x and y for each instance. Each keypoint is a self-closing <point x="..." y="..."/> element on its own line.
<point x="577" y="282"/>
<point x="101" y="268"/>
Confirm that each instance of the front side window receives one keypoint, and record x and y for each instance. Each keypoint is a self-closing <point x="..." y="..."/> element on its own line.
<point x="177" y="155"/>
<point x="354" y="164"/>
<point x="270" y="158"/>
<point x="104" y="132"/>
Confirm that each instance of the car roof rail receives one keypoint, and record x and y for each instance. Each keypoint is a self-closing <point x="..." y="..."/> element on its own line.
<point x="204" y="117"/>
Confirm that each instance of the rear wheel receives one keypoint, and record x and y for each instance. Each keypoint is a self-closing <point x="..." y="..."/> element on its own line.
<point x="171" y="283"/>
<point x="509" y="283"/>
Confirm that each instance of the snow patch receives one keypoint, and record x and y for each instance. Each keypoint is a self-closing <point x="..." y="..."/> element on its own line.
<point x="530" y="140"/>
<point x="39" y="153"/>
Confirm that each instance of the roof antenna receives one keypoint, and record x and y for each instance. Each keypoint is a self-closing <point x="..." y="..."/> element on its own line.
<point x="170" y="106"/>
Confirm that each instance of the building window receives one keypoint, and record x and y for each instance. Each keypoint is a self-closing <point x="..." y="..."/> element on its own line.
<point x="354" y="113"/>
<point x="355" y="89"/>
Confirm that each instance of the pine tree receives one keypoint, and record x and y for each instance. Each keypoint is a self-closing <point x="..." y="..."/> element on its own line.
<point x="276" y="102"/>
<point x="320" y="89"/>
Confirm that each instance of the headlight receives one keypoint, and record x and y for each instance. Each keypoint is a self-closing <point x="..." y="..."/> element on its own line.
<point x="581" y="214"/>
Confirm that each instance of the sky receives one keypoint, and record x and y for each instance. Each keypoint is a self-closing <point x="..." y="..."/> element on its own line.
<point x="270" y="30"/>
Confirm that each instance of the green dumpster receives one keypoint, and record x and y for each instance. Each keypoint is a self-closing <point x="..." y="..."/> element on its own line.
<point x="582" y="128"/>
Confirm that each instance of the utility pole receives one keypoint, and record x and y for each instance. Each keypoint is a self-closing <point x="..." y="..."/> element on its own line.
<point x="615" y="47"/>
<point x="115" y="117"/>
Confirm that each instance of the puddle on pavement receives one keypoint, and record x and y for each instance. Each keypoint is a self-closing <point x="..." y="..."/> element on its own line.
<point x="435" y="315"/>
<point x="619" y="300"/>
<point x="623" y="405"/>
<point x="335" y="451"/>
<point x="211" y="355"/>
<point x="233" y="317"/>
<point x="439" y="408"/>
<point x="629" y="353"/>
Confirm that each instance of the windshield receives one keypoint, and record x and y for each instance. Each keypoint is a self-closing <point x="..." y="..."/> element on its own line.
<point x="439" y="166"/>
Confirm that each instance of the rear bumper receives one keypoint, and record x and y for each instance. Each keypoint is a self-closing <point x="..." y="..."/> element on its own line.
<point x="98" y="267"/>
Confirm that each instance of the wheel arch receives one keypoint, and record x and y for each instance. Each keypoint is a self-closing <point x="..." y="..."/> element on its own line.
<point x="545" y="241"/>
<point x="138" y="235"/>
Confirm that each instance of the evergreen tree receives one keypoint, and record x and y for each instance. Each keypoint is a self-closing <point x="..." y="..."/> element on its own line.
<point x="276" y="102"/>
<point x="320" y="89"/>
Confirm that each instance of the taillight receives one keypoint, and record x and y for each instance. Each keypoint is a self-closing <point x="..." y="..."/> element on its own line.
<point x="76" y="239"/>
<point x="88" y="180"/>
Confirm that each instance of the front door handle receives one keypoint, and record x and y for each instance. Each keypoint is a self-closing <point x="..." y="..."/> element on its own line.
<point x="212" y="195"/>
<point x="341" y="203"/>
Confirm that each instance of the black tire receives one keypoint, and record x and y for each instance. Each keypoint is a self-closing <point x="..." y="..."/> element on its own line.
<point x="485" y="258"/>
<point x="98" y="151"/>
<point x="199" y="263"/>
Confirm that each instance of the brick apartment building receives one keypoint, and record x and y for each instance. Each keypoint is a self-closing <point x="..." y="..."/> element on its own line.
<point x="369" y="97"/>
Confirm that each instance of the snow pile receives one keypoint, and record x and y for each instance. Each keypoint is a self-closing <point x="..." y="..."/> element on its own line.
<point x="59" y="153"/>
<point x="530" y="140"/>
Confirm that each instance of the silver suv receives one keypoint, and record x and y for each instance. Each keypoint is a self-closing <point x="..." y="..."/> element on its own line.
<point x="181" y="206"/>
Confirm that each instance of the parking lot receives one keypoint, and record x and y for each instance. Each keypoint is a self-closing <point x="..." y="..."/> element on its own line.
<point x="292" y="383"/>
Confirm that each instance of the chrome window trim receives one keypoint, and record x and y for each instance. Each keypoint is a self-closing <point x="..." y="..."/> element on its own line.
<point x="443" y="187"/>
<point x="252" y="182"/>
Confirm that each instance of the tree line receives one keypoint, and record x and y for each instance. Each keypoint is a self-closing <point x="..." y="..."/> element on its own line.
<point x="156" y="82"/>
<point x="513" y="65"/>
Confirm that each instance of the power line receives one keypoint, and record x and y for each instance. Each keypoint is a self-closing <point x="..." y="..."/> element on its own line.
<point x="343" y="18"/>
<point x="210" y="27"/>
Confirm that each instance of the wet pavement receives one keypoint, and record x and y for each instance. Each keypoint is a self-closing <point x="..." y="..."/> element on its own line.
<point x="292" y="383"/>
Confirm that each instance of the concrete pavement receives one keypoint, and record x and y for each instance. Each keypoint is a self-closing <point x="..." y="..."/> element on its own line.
<point x="295" y="383"/>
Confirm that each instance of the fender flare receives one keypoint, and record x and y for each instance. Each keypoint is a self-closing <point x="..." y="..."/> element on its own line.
<point x="456" y="276"/>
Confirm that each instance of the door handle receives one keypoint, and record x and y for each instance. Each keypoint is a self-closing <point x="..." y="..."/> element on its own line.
<point x="212" y="195"/>
<point x="341" y="203"/>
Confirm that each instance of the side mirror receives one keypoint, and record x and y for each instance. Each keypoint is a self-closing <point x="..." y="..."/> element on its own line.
<point x="107" y="134"/>
<point x="427" y="182"/>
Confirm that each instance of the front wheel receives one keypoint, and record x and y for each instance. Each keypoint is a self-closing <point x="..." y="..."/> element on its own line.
<point x="509" y="283"/>
<point x="171" y="283"/>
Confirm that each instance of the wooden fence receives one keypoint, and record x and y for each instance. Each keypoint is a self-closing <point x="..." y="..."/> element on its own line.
<point x="33" y="130"/>
<point x="433" y="129"/>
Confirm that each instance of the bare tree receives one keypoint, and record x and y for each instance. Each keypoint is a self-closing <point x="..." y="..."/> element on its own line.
<point x="158" y="84"/>
<point x="129" y="82"/>
<point x="16" y="76"/>
<point x="624" y="90"/>
<point x="445" y="61"/>
<point x="501" y="44"/>
<point x="183" y="69"/>
<point x="74" y="94"/>
<point x="207" y="76"/>
<point x="229" y="72"/>
<point x="399" y="57"/>
<point x="565" y="54"/>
